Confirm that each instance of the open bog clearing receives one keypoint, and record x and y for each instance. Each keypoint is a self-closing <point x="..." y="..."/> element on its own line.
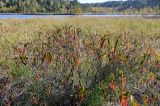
<point x="78" y="60"/>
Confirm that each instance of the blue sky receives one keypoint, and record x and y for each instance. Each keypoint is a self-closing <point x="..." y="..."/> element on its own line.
<point x="94" y="1"/>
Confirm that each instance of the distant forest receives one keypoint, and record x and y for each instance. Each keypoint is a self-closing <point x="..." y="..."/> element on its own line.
<point x="128" y="7"/>
<point x="42" y="6"/>
<point x="73" y="6"/>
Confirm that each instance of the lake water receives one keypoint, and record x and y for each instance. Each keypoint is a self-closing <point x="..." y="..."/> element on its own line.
<point x="3" y="16"/>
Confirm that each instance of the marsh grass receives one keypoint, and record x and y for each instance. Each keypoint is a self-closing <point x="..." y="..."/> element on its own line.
<point x="80" y="61"/>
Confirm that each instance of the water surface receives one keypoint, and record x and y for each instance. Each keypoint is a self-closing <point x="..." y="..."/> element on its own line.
<point x="21" y="16"/>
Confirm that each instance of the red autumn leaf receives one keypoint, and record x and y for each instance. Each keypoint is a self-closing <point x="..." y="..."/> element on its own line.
<point x="74" y="38"/>
<point x="123" y="82"/>
<point x="124" y="101"/>
<point x="37" y="76"/>
<point x="9" y="103"/>
<point x="81" y="97"/>
<point x="21" y="50"/>
<point x="112" y="86"/>
<point x="136" y="104"/>
<point x="5" y="67"/>
<point x="146" y="100"/>
<point x="35" y="100"/>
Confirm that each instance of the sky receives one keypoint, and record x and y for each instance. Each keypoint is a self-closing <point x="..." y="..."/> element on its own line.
<point x="94" y="1"/>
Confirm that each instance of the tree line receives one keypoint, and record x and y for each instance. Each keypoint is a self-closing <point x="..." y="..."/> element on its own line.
<point x="40" y="6"/>
<point x="73" y="6"/>
<point x="129" y="4"/>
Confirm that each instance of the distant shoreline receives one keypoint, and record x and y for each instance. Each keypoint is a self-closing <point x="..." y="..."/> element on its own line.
<point x="34" y="14"/>
<point x="80" y="14"/>
<point x="29" y="15"/>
